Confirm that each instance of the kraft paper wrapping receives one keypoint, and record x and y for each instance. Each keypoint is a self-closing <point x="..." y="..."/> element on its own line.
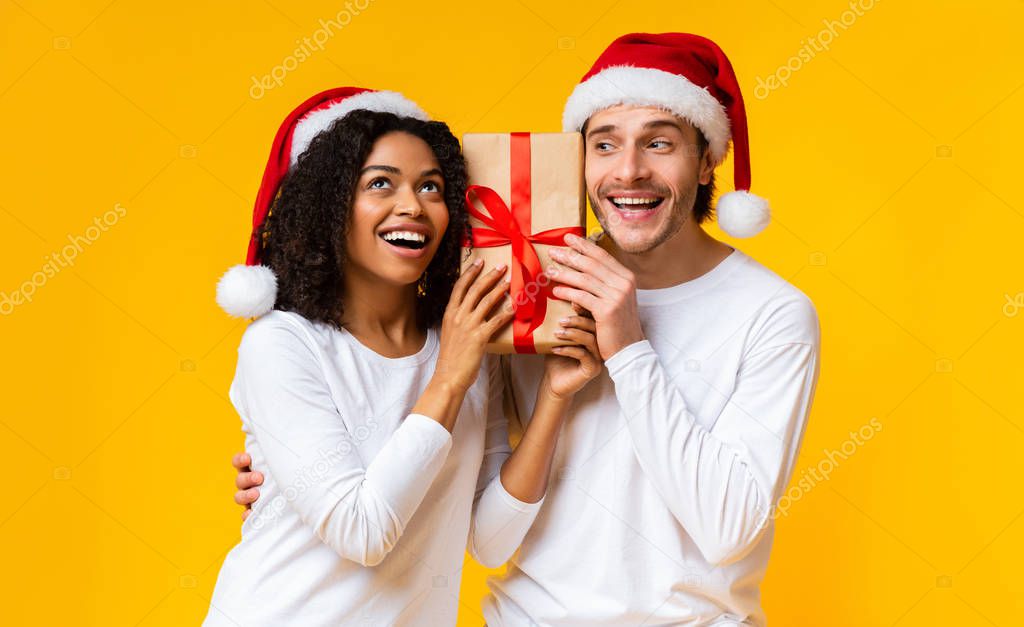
<point x="557" y="199"/>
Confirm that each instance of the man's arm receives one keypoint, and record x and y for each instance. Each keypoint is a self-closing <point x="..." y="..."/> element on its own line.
<point x="500" y="520"/>
<point x="247" y="481"/>
<point x="513" y="484"/>
<point x="720" y="484"/>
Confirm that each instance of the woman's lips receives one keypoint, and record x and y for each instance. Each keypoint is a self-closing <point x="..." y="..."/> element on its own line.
<point x="408" y="253"/>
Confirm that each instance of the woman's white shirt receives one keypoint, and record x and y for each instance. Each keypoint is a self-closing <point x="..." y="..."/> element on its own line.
<point x="365" y="510"/>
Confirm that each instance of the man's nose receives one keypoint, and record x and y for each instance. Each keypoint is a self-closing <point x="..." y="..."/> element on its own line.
<point x="631" y="166"/>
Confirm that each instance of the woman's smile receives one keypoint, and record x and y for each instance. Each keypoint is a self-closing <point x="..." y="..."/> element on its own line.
<point x="405" y="239"/>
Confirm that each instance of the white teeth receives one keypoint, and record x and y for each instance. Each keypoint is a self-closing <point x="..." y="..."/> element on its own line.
<point x="634" y="201"/>
<point x="406" y="235"/>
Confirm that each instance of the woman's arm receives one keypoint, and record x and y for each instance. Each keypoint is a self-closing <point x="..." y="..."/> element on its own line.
<point x="467" y="326"/>
<point x="360" y="510"/>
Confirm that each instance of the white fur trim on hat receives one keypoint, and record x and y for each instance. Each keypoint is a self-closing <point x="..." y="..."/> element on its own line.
<point x="742" y="214"/>
<point x="639" y="86"/>
<point x="320" y="120"/>
<point x="247" y="291"/>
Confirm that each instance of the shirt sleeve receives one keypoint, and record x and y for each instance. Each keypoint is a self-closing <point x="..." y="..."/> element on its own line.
<point x="720" y="484"/>
<point x="500" y="520"/>
<point x="359" y="509"/>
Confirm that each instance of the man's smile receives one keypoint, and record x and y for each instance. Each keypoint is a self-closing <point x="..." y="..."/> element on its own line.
<point x="635" y="205"/>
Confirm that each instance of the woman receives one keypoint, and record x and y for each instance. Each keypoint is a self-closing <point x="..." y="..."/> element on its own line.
<point x="365" y="395"/>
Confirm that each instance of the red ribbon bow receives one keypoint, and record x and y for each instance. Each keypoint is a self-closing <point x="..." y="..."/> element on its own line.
<point x="507" y="229"/>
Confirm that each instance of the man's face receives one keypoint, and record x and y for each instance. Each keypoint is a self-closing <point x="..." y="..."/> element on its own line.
<point x="643" y="168"/>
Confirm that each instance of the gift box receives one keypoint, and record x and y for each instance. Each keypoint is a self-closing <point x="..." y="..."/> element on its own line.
<point x="525" y="193"/>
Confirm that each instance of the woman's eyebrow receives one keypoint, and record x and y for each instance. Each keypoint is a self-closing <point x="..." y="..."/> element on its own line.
<point x="431" y="172"/>
<point x="387" y="168"/>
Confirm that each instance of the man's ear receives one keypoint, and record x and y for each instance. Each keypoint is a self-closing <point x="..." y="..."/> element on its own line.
<point x="707" y="167"/>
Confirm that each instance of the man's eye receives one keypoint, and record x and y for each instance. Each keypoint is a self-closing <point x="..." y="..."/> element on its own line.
<point x="603" y="146"/>
<point x="660" y="143"/>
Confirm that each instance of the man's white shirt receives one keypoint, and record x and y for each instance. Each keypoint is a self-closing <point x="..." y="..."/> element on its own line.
<point x="666" y="473"/>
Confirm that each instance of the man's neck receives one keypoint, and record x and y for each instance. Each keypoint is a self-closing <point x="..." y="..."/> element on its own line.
<point x="688" y="254"/>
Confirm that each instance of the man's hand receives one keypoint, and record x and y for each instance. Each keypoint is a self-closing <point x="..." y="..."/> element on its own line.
<point x="246" y="482"/>
<point x="596" y="281"/>
<point x="569" y="368"/>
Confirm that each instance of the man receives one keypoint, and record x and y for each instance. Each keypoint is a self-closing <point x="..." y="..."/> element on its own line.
<point x="665" y="478"/>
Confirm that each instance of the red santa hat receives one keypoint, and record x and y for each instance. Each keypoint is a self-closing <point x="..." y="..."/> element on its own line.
<point x="690" y="76"/>
<point x="249" y="290"/>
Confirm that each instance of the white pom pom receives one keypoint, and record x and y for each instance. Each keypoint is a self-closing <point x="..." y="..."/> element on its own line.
<point x="742" y="214"/>
<point x="247" y="291"/>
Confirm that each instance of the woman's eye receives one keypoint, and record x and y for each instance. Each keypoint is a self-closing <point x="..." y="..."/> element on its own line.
<point x="379" y="183"/>
<point x="431" y="187"/>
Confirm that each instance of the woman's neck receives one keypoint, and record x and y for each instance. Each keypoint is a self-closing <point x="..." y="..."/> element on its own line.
<point x="382" y="317"/>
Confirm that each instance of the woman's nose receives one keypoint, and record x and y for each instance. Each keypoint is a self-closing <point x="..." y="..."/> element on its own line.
<point x="408" y="205"/>
<point x="411" y="209"/>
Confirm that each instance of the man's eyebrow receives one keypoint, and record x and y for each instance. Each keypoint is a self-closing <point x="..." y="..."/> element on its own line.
<point x="387" y="168"/>
<point x="663" y="122"/>
<point x="607" y="128"/>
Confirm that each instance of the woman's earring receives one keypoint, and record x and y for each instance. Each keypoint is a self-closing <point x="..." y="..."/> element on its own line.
<point x="421" y="288"/>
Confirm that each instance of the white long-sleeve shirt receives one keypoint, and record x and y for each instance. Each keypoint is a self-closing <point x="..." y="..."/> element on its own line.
<point x="364" y="514"/>
<point x="664" y="479"/>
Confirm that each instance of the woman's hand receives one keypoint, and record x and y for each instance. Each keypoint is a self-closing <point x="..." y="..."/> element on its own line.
<point x="470" y="320"/>
<point x="569" y="368"/>
<point x="474" y="314"/>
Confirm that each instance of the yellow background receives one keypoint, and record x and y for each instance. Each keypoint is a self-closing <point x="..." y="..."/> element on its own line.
<point x="892" y="162"/>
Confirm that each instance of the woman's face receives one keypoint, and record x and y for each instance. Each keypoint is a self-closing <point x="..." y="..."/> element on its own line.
<point x="399" y="214"/>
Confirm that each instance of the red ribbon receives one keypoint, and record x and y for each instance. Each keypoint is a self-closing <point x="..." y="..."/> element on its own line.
<point x="510" y="227"/>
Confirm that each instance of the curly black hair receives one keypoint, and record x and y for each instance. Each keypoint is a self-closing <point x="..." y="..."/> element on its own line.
<point x="304" y="237"/>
